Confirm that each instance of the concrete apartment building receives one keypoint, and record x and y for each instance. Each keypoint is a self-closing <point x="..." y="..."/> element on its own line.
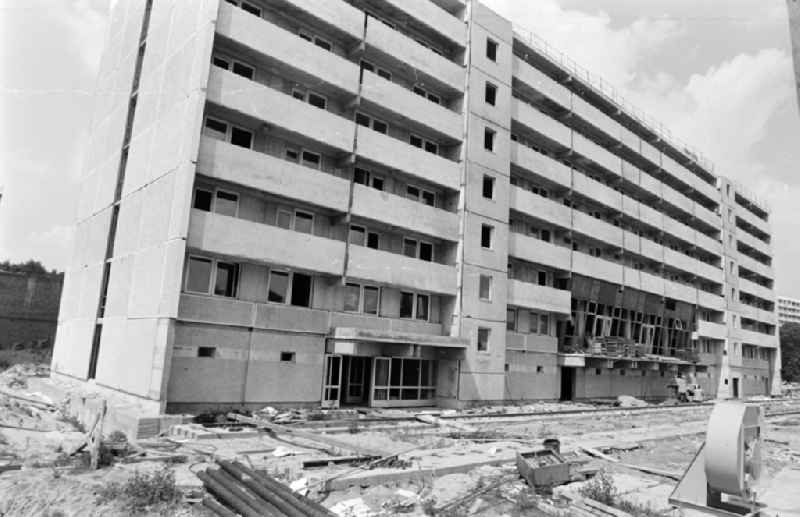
<point x="788" y="310"/>
<point x="393" y="203"/>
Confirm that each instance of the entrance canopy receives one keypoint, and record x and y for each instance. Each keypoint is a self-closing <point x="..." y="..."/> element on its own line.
<point x="374" y="343"/>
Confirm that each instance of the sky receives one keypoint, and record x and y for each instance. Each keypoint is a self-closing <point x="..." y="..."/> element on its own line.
<point x="717" y="73"/>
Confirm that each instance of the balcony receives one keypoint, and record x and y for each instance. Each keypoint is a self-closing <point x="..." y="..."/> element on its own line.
<point x="595" y="267"/>
<point x="683" y="262"/>
<point x="597" y="191"/>
<point x="687" y="177"/>
<point x="707" y="216"/>
<point x="676" y="199"/>
<point x="540" y="82"/>
<point x="650" y="283"/>
<point x="596" y="229"/>
<point x="434" y="17"/>
<point x="538" y="297"/>
<point x="755" y="289"/>
<point x="261" y="243"/>
<point x="752" y="219"/>
<point x="540" y="207"/>
<point x="750" y="337"/>
<point x="755" y="266"/>
<point x="711" y="330"/>
<point x="397" y="46"/>
<point x="596" y="118"/>
<point x="747" y="238"/>
<point x="403" y="156"/>
<point x="754" y="313"/>
<point x="678" y="291"/>
<point x="708" y="244"/>
<point x="400" y="212"/>
<point x="405" y="104"/>
<point x="289" y="49"/>
<point x="596" y="153"/>
<point x="710" y="300"/>
<point x="224" y="161"/>
<point x="266" y="104"/>
<point x="540" y="164"/>
<point x="759" y="364"/>
<point x="538" y="251"/>
<point x="334" y="13"/>
<point x="399" y="270"/>
<point x="537" y="121"/>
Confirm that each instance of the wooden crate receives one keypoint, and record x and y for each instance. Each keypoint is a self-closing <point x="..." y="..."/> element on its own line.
<point x="543" y="468"/>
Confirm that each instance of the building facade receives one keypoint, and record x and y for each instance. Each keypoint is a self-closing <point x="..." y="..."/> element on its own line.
<point x="788" y="310"/>
<point x="393" y="203"/>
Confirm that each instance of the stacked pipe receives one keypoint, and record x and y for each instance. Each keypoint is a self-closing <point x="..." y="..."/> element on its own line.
<point x="240" y="490"/>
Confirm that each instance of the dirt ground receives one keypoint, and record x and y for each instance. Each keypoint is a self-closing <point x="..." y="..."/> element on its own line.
<point x="440" y="470"/>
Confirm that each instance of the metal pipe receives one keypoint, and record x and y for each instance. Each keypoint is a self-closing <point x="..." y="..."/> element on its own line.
<point x="297" y="500"/>
<point x="229" y="497"/>
<point x="217" y="508"/>
<point x="281" y="501"/>
<point x="254" y="501"/>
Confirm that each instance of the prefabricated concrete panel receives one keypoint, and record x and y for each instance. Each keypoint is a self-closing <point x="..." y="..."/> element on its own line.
<point x="526" y="382"/>
<point x="495" y="258"/>
<point x="473" y="305"/>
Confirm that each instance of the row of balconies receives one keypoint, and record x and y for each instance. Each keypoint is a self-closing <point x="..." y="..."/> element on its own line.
<point x="561" y="95"/>
<point x="757" y="290"/>
<point x="554" y="130"/>
<point x="561" y="258"/>
<point x="753" y="220"/>
<point x="755" y="266"/>
<point x="756" y="314"/>
<point x="753" y="242"/>
<point x="261" y="243"/>
<point x="751" y="337"/>
<point x="266" y="173"/>
<point x="277" y="43"/>
<point x="331" y="131"/>
<point x="560" y="174"/>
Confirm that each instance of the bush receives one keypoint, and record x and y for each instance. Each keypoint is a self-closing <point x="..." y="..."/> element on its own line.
<point x="143" y="491"/>
<point x="601" y="488"/>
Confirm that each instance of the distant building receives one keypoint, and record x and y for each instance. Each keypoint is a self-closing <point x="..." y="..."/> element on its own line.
<point x="395" y="203"/>
<point x="29" y="309"/>
<point x="788" y="310"/>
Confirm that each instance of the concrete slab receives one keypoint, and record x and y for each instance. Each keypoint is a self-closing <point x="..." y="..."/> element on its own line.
<point x="781" y="494"/>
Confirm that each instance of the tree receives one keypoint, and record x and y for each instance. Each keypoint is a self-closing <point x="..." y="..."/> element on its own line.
<point x="31" y="266"/>
<point x="790" y="352"/>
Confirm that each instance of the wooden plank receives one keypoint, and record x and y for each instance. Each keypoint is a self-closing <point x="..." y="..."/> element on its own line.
<point x="338" y="445"/>
<point x="323" y="462"/>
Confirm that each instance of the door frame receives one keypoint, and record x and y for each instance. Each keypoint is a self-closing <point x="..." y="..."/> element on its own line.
<point x="327" y="382"/>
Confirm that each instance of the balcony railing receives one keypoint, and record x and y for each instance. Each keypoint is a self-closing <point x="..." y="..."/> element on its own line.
<point x="399" y="270"/>
<point x="538" y="297"/>
<point x="433" y="16"/>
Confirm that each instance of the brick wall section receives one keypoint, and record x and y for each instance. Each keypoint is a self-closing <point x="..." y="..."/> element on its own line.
<point x="28" y="307"/>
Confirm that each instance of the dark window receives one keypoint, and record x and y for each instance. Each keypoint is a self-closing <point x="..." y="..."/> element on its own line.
<point x="380" y="127"/>
<point x="434" y="98"/>
<point x="413" y="140"/>
<point x="306" y="36"/>
<point x="546" y="235"/>
<point x="297" y="94"/>
<point x="542" y="278"/>
<point x="352" y="297"/>
<point x="483" y="339"/>
<point x="206" y="351"/>
<point x="419" y="91"/>
<point x="220" y="62"/>
<point x="371" y="299"/>
<point x="278" y="286"/>
<point x="244" y="70"/>
<point x="241" y="137"/>
<point x="301" y="290"/>
<point x="216" y="125"/>
<point x="361" y="176"/>
<point x="540" y="369"/>
<point x="491" y="49"/>
<point x="486" y="236"/>
<point x="485" y="287"/>
<point x="225" y="284"/>
<point x="366" y="65"/>
<point x="362" y="119"/>
<point x="385" y="74"/>
<point x="322" y="43"/>
<point x="292" y="155"/>
<point x="410" y="248"/>
<point x="227" y="203"/>
<point x="287" y="357"/>
<point x="199" y="275"/>
<point x="511" y="319"/>
<point x="488" y="187"/>
<point x="406" y="305"/>
<point x="202" y="200"/>
<point x="303" y="222"/>
<point x="317" y="100"/>
<point x="412" y="192"/>
<point x="377" y="183"/>
<point x="311" y="159"/>
<point x="488" y="139"/>
<point x="250" y="8"/>
<point x="373" y="240"/>
<point x="426" y="251"/>
<point x="431" y="147"/>
<point x="429" y="198"/>
<point x="490" y="94"/>
<point x="284" y="219"/>
<point x="422" y="307"/>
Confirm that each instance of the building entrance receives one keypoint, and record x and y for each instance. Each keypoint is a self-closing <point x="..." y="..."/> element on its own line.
<point x="567" y="383"/>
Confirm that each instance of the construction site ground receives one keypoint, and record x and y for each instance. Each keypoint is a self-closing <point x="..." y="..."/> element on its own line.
<point x="417" y="462"/>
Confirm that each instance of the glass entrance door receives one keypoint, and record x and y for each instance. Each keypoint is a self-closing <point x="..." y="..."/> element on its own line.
<point x="332" y="382"/>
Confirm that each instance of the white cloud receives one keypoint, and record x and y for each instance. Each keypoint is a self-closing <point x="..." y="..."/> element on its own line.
<point x="87" y="22"/>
